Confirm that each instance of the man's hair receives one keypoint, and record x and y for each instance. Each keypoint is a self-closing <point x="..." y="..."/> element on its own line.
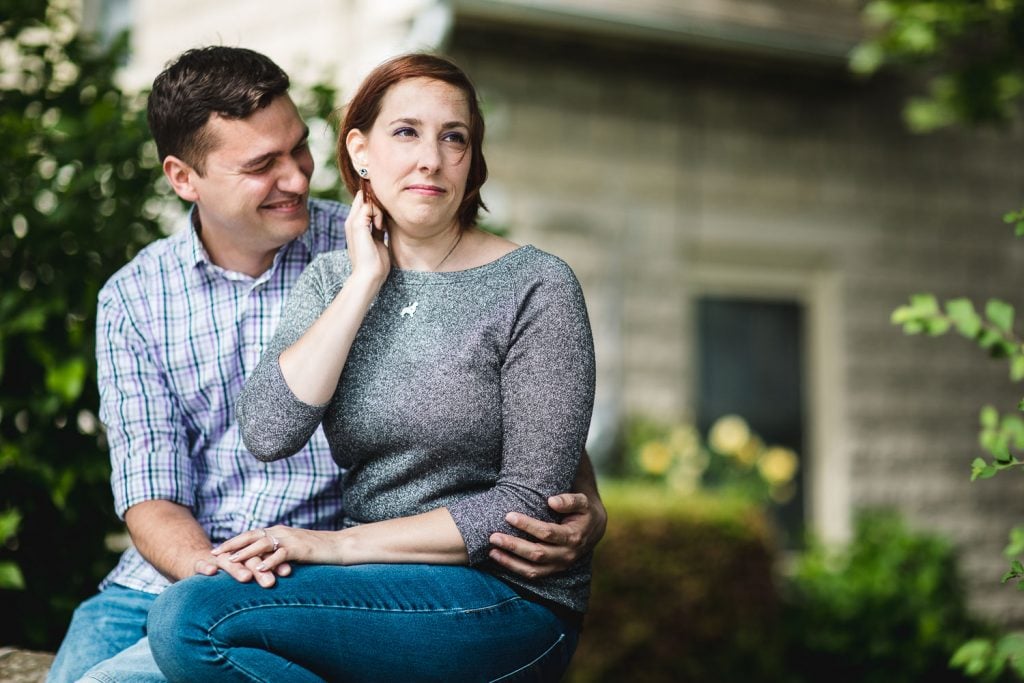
<point x="232" y="82"/>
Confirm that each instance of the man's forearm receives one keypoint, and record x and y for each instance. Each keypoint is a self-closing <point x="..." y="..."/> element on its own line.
<point x="168" y="536"/>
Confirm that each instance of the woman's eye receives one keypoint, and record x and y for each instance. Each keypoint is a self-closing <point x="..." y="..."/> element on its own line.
<point x="457" y="138"/>
<point x="405" y="133"/>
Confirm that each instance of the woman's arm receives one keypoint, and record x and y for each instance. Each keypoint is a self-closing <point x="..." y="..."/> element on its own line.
<point x="550" y="547"/>
<point x="547" y="390"/>
<point x="429" y="538"/>
<point x="284" y="400"/>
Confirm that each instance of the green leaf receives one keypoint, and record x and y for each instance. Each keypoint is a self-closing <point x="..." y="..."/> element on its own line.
<point x="10" y="576"/>
<point x="990" y="417"/>
<point x="67" y="379"/>
<point x="972" y="656"/>
<point x="913" y="327"/>
<point x="1017" y="368"/>
<point x="988" y="339"/>
<point x="1002" y="453"/>
<point x="901" y="315"/>
<point x="961" y="312"/>
<point x="924" y="304"/>
<point x="981" y="470"/>
<point x="1016" y="545"/>
<point x="938" y="326"/>
<point x="1000" y="314"/>
<point x="866" y="58"/>
<point x="9" y="522"/>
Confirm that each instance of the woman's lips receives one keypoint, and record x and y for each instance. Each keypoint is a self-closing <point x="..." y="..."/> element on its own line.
<point x="429" y="190"/>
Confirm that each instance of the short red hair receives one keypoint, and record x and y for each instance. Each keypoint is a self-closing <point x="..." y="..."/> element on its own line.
<point x="362" y="111"/>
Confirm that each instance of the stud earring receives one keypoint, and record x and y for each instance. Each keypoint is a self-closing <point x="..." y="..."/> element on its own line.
<point x="363" y="173"/>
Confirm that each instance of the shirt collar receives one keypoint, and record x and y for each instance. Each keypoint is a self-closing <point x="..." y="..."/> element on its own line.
<point x="196" y="255"/>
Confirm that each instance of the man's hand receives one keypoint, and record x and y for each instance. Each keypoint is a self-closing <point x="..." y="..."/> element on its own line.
<point x="170" y="538"/>
<point x="555" y="546"/>
<point x="243" y="572"/>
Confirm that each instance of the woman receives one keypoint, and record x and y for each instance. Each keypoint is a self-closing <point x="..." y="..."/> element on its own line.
<point x="453" y="374"/>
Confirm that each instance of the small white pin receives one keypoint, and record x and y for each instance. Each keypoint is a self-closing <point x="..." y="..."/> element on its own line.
<point x="409" y="310"/>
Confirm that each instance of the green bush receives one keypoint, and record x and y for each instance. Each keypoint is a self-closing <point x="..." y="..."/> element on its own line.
<point x="81" y="192"/>
<point x="890" y="607"/>
<point x="77" y="180"/>
<point x="682" y="591"/>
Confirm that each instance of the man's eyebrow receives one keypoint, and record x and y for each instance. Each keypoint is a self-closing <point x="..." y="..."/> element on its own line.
<point x="256" y="162"/>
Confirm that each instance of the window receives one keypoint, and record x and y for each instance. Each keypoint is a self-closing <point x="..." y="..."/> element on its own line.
<point x="751" y="363"/>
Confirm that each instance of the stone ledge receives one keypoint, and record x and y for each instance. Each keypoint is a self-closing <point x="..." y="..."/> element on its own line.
<point x="23" y="666"/>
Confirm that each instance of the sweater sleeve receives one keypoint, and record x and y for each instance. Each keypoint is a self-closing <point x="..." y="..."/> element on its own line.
<point x="547" y="390"/>
<point x="273" y="422"/>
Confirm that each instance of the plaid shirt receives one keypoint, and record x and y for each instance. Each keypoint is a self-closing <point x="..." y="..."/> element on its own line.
<point x="176" y="338"/>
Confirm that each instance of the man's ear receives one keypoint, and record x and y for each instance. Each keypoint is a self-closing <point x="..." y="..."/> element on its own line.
<point x="179" y="174"/>
<point x="355" y="143"/>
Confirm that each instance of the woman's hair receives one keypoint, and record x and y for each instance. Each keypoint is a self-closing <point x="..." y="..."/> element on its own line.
<point x="363" y="109"/>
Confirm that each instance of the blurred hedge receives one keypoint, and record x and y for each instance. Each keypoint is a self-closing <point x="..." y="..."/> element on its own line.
<point x="888" y="608"/>
<point x="685" y="589"/>
<point x="682" y="591"/>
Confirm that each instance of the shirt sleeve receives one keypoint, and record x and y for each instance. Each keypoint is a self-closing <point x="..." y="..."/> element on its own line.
<point x="547" y="388"/>
<point x="148" y="441"/>
<point x="273" y="422"/>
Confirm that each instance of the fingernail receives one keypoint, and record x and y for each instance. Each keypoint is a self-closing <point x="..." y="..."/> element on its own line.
<point x="261" y="567"/>
<point x="233" y="557"/>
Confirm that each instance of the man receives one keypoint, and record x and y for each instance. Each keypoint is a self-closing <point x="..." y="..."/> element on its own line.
<point x="178" y="330"/>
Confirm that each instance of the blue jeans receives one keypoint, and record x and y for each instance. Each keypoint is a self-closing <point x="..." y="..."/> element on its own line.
<point x="106" y="638"/>
<point x="378" y="622"/>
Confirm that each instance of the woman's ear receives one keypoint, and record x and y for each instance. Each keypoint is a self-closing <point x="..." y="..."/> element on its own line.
<point x="355" y="143"/>
<point x="179" y="175"/>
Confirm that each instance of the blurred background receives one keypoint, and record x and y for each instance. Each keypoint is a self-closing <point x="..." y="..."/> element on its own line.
<point x="750" y="191"/>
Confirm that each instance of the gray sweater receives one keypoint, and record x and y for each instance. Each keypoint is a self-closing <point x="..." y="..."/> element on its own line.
<point x="470" y="390"/>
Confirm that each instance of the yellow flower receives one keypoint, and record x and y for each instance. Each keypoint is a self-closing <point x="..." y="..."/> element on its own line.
<point x="778" y="465"/>
<point x="728" y="434"/>
<point x="684" y="441"/>
<point x="655" y="458"/>
<point x="748" y="452"/>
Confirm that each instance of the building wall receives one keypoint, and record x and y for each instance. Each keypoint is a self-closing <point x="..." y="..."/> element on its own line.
<point x="661" y="176"/>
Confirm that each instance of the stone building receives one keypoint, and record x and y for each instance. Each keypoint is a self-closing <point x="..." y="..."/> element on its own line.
<point x="734" y="202"/>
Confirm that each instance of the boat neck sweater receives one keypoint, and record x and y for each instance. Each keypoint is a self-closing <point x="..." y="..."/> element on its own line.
<point x="470" y="390"/>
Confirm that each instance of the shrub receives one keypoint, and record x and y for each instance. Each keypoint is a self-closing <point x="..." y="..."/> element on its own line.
<point x="682" y="591"/>
<point x="890" y="607"/>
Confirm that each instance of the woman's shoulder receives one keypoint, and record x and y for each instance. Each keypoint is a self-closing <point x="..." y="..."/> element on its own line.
<point x="331" y="265"/>
<point x="531" y="263"/>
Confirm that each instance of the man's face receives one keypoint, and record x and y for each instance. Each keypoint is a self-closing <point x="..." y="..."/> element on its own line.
<point x="252" y="197"/>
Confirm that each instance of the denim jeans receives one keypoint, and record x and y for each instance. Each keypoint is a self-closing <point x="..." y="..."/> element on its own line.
<point x="106" y="638"/>
<point x="382" y="622"/>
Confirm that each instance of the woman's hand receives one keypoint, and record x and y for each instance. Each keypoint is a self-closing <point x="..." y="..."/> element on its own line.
<point x="277" y="545"/>
<point x="364" y="234"/>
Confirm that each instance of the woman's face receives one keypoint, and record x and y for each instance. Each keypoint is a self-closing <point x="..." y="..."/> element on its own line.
<point x="417" y="154"/>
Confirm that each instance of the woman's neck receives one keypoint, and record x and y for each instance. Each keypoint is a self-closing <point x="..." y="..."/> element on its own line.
<point x="434" y="252"/>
